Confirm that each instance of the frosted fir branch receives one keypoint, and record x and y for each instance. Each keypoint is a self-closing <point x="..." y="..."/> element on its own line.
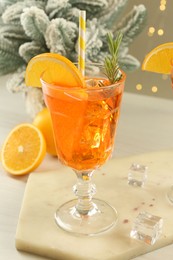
<point x="7" y="67"/>
<point x="128" y="63"/>
<point x="38" y="3"/>
<point x="132" y="24"/>
<point x="89" y="3"/>
<point x="6" y="48"/>
<point x="10" y="59"/>
<point x="13" y="12"/>
<point x="61" y="36"/>
<point x="63" y="11"/>
<point x="93" y="8"/>
<point x="13" y="33"/>
<point x="57" y="8"/>
<point x="34" y="101"/>
<point x="99" y="58"/>
<point x="58" y="32"/>
<point x="93" y="51"/>
<point x="35" y="22"/>
<point x="123" y="51"/>
<point x="5" y="3"/>
<point x="95" y="35"/>
<point x="59" y="42"/>
<point x="17" y="82"/>
<point x="111" y="14"/>
<point x="30" y="49"/>
<point x="72" y="15"/>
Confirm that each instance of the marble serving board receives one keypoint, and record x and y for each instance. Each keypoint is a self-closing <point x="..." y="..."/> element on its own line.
<point x="38" y="234"/>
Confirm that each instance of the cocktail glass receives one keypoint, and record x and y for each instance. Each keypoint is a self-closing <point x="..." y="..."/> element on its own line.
<point x="84" y="122"/>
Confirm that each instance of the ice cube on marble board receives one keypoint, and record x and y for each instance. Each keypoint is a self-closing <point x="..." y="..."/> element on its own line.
<point x="147" y="228"/>
<point x="137" y="175"/>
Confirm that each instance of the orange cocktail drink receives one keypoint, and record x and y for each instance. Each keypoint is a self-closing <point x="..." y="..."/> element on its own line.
<point x="84" y="121"/>
<point x="85" y="113"/>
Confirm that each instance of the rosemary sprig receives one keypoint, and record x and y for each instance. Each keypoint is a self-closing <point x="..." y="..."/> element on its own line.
<point x="111" y="66"/>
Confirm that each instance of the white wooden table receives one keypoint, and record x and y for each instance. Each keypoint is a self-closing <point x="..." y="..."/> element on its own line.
<point x="146" y="125"/>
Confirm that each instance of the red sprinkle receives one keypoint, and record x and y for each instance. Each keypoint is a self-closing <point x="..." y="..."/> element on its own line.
<point x="135" y="209"/>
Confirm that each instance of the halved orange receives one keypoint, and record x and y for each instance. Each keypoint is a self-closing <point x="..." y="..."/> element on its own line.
<point x="159" y="59"/>
<point x="44" y="124"/>
<point x="55" y="69"/>
<point x="23" y="149"/>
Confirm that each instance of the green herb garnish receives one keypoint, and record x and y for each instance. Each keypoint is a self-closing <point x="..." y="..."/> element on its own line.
<point x="111" y="66"/>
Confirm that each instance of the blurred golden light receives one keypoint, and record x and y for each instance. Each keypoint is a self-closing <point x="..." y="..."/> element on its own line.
<point x="154" y="89"/>
<point x="151" y="30"/>
<point x="163" y="2"/>
<point x="139" y="87"/>
<point x="160" y="32"/>
<point x="162" y="7"/>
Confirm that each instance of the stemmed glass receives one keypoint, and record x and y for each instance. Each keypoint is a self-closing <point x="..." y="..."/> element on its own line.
<point x="84" y="122"/>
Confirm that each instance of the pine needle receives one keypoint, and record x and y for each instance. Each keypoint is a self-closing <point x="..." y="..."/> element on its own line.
<point x="111" y="66"/>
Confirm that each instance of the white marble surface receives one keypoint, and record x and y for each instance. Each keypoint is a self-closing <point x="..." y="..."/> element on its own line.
<point x="45" y="192"/>
<point x="145" y="125"/>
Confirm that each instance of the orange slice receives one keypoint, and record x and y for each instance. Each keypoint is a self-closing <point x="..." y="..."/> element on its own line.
<point x="54" y="69"/>
<point x="23" y="149"/>
<point x="159" y="59"/>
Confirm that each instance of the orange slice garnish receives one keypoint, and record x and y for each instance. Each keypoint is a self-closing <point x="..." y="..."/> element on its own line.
<point x="160" y="59"/>
<point x="58" y="71"/>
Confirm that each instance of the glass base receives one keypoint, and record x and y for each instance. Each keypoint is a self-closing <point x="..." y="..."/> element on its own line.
<point x="99" y="219"/>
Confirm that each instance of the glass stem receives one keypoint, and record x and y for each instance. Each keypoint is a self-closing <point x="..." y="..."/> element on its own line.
<point x="84" y="189"/>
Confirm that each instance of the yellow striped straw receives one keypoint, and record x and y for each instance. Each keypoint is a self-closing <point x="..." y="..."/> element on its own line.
<point x="81" y="48"/>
